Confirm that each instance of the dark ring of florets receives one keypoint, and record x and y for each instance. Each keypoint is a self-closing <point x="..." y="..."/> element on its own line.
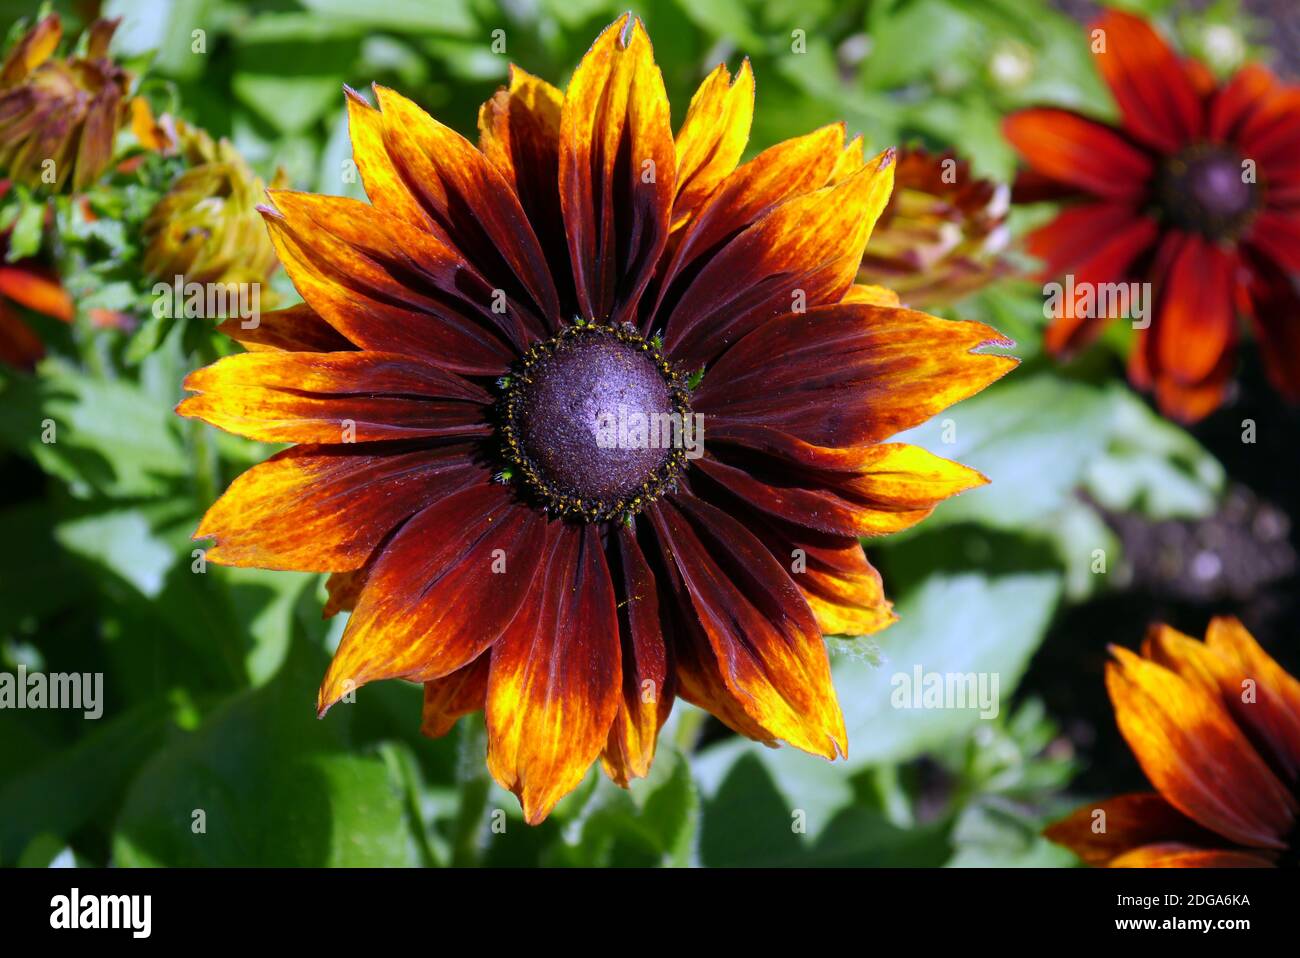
<point x="519" y="465"/>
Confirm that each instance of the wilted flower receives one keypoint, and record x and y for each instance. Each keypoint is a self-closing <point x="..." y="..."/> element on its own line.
<point x="26" y="283"/>
<point x="1216" y="727"/>
<point x="472" y="345"/>
<point x="59" y="115"/>
<point x="942" y="233"/>
<point x="1195" y="193"/>
<point x="208" y="228"/>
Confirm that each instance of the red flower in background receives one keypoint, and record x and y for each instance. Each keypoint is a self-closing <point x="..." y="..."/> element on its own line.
<point x="29" y="284"/>
<point x="1197" y="192"/>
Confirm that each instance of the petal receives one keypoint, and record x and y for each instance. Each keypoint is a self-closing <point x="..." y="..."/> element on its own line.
<point x="712" y="137"/>
<point x="334" y="397"/>
<point x="1107" y="258"/>
<point x="1175" y="855"/>
<point x="841" y="587"/>
<point x="463" y="692"/>
<point x="1196" y="323"/>
<point x="553" y="688"/>
<point x="95" y="148"/>
<point x="37" y="289"/>
<point x="1277" y="236"/>
<point x="1195" y="755"/>
<point x="1156" y="97"/>
<point x="617" y="171"/>
<point x="19" y="346"/>
<point x="1274" y="305"/>
<point x="764" y="638"/>
<point x="35" y="47"/>
<point x="1100" y="831"/>
<point x="897" y="486"/>
<point x="647" y="692"/>
<point x="325" y="508"/>
<point x="1237" y="101"/>
<point x="848" y="375"/>
<point x="1083" y="153"/>
<point x="1262" y="696"/>
<point x="871" y="296"/>
<point x="297" y="328"/>
<point x="519" y="131"/>
<point x="789" y="169"/>
<point x="374" y="308"/>
<point x="384" y="182"/>
<point x="441" y="592"/>
<point x="804" y="253"/>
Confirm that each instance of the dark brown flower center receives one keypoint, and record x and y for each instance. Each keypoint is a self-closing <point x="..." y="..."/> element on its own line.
<point x="592" y="420"/>
<point x="1209" y="190"/>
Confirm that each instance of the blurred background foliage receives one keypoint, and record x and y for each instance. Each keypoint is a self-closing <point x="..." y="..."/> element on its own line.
<point x="210" y="677"/>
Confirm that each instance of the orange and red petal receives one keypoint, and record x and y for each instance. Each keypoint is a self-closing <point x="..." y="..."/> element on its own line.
<point x="617" y="171"/>
<point x="1101" y="831"/>
<point x="1195" y="755"/>
<point x="804" y="253"/>
<point x="461" y="693"/>
<point x="1080" y="152"/>
<point x="441" y="592"/>
<point x="850" y="374"/>
<point x="335" y="397"/>
<point x="20" y="347"/>
<point x="1273" y="305"/>
<point x="555" y="678"/>
<point x="36" y="288"/>
<point x="297" y="328"/>
<point x="519" y="131"/>
<point x="1157" y="98"/>
<point x="1195" y="323"/>
<point x="1176" y="855"/>
<point x="765" y="639"/>
<point x="372" y="307"/>
<point x="326" y="508"/>
<point x="712" y="137"/>
<point x="468" y="198"/>
<point x="648" y="689"/>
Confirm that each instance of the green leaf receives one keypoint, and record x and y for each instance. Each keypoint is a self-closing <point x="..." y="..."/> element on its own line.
<point x="402" y="16"/>
<point x="264" y="783"/>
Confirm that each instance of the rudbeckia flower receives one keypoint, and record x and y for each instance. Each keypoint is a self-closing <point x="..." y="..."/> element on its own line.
<point x="1215" y="726"/>
<point x="207" y="228"/>
<point x="59" y="115"/>
<point x="26" y="283"/>
<point x="942" y="234"/>
<point x="473" y="343"/>
<point x="1194" y="191"/>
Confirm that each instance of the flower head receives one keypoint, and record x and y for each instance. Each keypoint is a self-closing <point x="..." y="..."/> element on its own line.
<point x="1216" y="727"/>
<point x="29" y="284"/>
<point x="59" y="115"/>
<point x="1193" y="192"/>
<point x="208" y="228"/>
<point x="496" y="384"/>
<point x="942" y="234"/>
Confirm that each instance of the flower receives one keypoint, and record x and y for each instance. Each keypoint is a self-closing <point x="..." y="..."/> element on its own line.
<point x="207" y="228"/>
<point x="941" y="234"/>
<point x="59" y="115"/>
<point x="1195" y="192"/>
<point x="26" y="283"/>
<point x="472" y="345"/>
<point x="1216" y="727"/>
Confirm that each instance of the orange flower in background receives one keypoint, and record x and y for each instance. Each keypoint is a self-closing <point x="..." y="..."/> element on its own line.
<point x="26" y="283"/>
<point x="470" y="381"/>
<point x="207" y="228"/>
<point x="942" y="234"/>
<point x="1216" y="727"/>
<point x="59" y="115"/>
<point x="1196" y="191"/>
